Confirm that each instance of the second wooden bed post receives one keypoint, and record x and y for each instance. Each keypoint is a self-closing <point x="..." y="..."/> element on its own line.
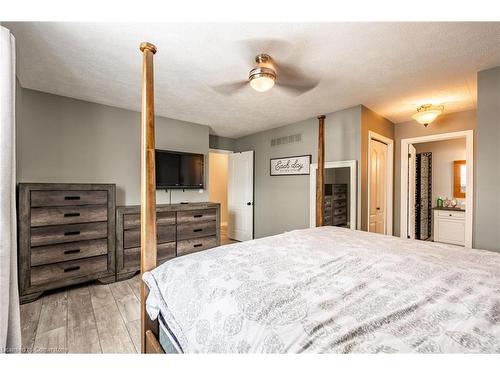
<point x="320" y="173"/>
<point x="148" y="182"/>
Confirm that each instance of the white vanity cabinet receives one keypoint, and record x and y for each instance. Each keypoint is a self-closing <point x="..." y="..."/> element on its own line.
<point x="449" y="226"/>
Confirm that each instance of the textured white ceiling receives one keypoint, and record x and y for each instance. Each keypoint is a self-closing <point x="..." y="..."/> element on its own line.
<point x="389" y="67"/>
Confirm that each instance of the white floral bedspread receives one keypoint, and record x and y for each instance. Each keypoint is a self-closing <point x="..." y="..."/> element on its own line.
<point x="331" y="290"/>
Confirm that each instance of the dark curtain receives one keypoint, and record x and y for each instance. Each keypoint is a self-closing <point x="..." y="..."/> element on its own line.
<point x="423" y="196"/>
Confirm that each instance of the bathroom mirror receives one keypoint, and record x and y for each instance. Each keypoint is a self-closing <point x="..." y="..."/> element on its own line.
<point x="459" y="178"/>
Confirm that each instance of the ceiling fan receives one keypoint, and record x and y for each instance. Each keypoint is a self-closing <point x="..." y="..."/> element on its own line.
<point x="267" y="73"/>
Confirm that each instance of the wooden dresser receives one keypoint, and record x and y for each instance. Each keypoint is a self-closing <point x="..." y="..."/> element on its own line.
<point x="66" y="236"/>
<point x="339" y="205"/>
<point x="335" y="204"/>
<point x="180" y="229"/>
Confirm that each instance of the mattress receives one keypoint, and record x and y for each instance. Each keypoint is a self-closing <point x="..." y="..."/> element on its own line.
<point x="167" y="339"/>
<point x="330" y="290"/>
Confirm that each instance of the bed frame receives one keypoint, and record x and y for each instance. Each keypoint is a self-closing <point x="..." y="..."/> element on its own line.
<point x="149" y="328"/>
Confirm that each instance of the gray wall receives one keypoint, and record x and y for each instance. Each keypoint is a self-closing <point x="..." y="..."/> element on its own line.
<point x="66" y="140"/>
<point x="445" y="123"/>
<point x="487" y="219"/>
<point x="282" y="202"/>
<point x="222" y="143"/>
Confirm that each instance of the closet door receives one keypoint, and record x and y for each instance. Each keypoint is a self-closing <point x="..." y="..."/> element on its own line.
<point x="240" y="196"/>
<point x="378" y="187"/>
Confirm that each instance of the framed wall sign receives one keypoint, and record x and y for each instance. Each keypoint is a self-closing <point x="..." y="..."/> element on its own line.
<point x="291" y="166"/>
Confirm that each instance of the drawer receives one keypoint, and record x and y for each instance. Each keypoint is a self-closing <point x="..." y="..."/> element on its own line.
<point x="164" y="251"/>
<point x="68" y="251"/>
<point x="339" y="220"/>
<point x="193" y="245"/>
<point x="338" y="204"/>
<point x="451" y="214"/>
<point x="340" y="189"/>
<point x="164" y="233"/>
<point x="203" y="229"/>
<point x="67" y="270"/>
<point x="68" y="233"/>
<point x="339" y="196"/>
<point x="134" y="220"/>
<point x="194" y="216"/>
<point x="68" y="215"/>
<point x="339" y="211"/>
<point x="47" y="198"/>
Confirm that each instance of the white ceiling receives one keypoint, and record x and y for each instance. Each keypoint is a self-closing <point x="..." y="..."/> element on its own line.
<point x="389" y="67"/>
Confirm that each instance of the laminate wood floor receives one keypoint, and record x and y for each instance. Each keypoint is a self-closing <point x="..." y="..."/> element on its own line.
<point x="91" y="318"/>
<point x="224" y="239"/>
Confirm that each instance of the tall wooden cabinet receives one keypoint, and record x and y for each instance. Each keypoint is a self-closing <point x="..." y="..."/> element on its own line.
<point x="66" y="236"/>
<point x="335" y="204"/>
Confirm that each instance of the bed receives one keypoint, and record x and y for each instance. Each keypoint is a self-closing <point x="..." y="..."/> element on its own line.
<point x="326" y="290"/>
<point x="320" y="290"/>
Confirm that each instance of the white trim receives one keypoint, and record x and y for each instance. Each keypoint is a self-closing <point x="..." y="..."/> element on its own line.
<point x="352" y="193"/>
<point x="469" y="196"/>
<point x="219" y="151"/>
<point x="389" y="194"/>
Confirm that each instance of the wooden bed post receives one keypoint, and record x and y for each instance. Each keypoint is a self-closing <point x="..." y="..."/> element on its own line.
<point x="320" y="173"/>
<point x="148" y="183"/>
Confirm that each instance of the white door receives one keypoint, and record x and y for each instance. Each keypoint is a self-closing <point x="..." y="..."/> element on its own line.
<point x="412" y="172"/>
<point x="240" y="196"/>
<point x="378" y="187"/>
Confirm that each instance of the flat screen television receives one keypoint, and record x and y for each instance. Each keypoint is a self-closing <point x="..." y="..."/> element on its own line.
<point x="179" y="170"/>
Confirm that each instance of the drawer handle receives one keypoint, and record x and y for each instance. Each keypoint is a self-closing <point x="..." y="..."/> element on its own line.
<point x="73" y="251"/>
<point x="72" y="233"/>
<point x="72" y="198"/>
<point x="72" y="214"/>
<point x="198" y="245"/>
<point x="197" y="230"/>
<point x="197" y="216"/>
<point x="71" y="269"/>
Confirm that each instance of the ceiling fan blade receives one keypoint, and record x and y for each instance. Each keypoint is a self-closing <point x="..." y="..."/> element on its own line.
<point x="293" y="79"/>
<point x="296" y="89"/>
<point x="230" y="88"/>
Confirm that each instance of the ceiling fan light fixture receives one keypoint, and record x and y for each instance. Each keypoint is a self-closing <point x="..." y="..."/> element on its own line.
<point x="427" y="113"/>
<point x="262" y="83"/>
<point x="262" y="79"/>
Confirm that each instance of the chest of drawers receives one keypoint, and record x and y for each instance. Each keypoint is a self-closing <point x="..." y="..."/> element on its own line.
<point x="180" y="229"/>
<point x="336" y="206"/>
<point x="66" y="236"/>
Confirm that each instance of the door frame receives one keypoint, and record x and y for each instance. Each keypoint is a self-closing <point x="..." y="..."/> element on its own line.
<point x="469" y="196"/>
<point x="353" y="210"/>
<point x="389" y="191"/>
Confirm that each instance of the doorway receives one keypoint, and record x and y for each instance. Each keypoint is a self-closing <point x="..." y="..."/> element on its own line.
<point x="380" y="183"/>
<point x="218" y="162"/>
<point x="340" y="194"/>
<point x="452" y="223"/>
